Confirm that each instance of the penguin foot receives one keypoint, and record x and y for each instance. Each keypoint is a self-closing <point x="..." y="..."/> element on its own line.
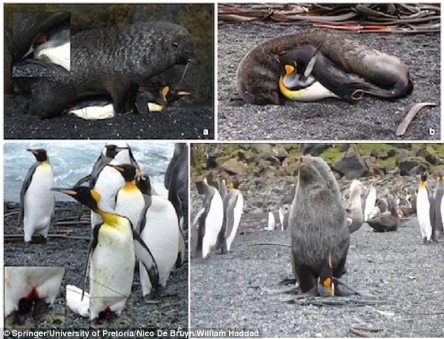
<point x="41" y="310"/>
<point x="154" y="296"/>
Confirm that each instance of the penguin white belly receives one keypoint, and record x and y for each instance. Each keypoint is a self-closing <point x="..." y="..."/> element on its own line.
<point x="111" y="271"/>
<point x="237" y="217"/>
<point x="281" y="218"/>
<point x="20" y="282"/>
<point x="107" y="184"/>
<point x="213" y="224"/>
<point x="271" y="222"/>
<point x="161" y="235"/>
<point x="39" y="203"/>
<point x="313" y="92"/>
<point x="370" y="204"/>
<point x="59" y="55"/>
<point x="130" y="205"/>
<point x="94" y="112"/>
<point x="423" y="214"/>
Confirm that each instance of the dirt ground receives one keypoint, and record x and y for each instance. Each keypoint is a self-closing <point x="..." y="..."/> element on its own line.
<point x="174" y="123"/>
<point x="403" y="276"/>
<point x="332" y="119"/>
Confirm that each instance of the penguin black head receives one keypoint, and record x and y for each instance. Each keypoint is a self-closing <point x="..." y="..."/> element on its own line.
<point x="424" y="176"/>
<point x="39" y="153"/>
<point x="82" y="194"/>
<point x="111" y="150"/>
<point x="143" y="183"/>
<point x="326" y="288"/>
<point x="128" y="171"/>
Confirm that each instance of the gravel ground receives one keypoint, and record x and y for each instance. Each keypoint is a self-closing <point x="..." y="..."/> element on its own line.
<point x="175" y="123"/>
<point x="171" y="313"/>
<point x="404" y="275"/>
<point x="370" y="119"/>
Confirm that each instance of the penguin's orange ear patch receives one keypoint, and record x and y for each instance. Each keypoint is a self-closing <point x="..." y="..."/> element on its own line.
<point x="327" y="283"/>
<point x="165" y="91"/>
<point x="289" y="69"/>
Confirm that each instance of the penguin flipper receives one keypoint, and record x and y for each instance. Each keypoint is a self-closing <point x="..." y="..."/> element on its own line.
<point x="146" y="258"/>
<point x="83" y="180"/>
<point x="92" y="247"/>
<point x="182" y="249"/>
<point x="25" y="187"/>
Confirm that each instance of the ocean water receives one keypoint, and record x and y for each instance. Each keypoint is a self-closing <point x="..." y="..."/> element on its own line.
<point x="72" y="160"/>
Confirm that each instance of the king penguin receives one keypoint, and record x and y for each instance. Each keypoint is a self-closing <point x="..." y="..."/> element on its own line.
<point x="233" y="206"/>
<point x="160" y="230"/>
<point x="130" y="201"/>
<point x="370" y="202"/>
<point x="111" y="256"/>
<point x="106" y="180"/>
<point x="210" y="220"/>
<point x="30" y="288"/>
<point x="439" y="192"/>
<point x="176" y="182"/>
<point x="354" y="206"/>
<point x="36" y="198"/>
<point x="425" y="209"/>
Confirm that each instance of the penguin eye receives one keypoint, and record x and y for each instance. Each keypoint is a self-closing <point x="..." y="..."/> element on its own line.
<point x="175" y="44"/>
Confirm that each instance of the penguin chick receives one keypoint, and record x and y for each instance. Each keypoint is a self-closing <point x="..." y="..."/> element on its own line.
<point x="354" y="206"/>
<point x="159" y="228"/>
<point x="326" y="288"/>
<point x="27" y="287"/>
<point x="36" y="198"/>
<point x="425" y="209"/>
<point x="111" y="256"/>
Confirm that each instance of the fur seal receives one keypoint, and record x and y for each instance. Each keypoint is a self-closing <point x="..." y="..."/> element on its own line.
<point x="343" y="66"/>
<point x="113" y="61"/>
<point x="319" y="232"/>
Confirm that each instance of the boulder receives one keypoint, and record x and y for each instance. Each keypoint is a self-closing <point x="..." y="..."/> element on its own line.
<point x="351" y="165"/>
<point x="234" y="167"/>
<point x="412" y="166"/>
<point x="313" y="149"/>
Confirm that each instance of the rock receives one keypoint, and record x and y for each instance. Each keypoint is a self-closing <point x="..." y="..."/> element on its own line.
<point x="429" y="154"/>
<point x="313" y="149"/>
<point x="234" y="167"/>
<point x="351" y="165"/>
<point x="412" y="166"/>
<point x="402" y="155"/>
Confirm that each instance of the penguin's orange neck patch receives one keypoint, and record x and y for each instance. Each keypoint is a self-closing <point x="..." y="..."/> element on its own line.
<point x="421" y="185"/>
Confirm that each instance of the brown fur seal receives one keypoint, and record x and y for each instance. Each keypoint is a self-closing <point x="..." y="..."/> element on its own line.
<point x="113" y="61"/>
<point x="344" y="66"/>
<point x="319" y="232"/>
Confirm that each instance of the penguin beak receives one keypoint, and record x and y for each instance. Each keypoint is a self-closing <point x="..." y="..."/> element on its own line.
<point x="67" y="191"/>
